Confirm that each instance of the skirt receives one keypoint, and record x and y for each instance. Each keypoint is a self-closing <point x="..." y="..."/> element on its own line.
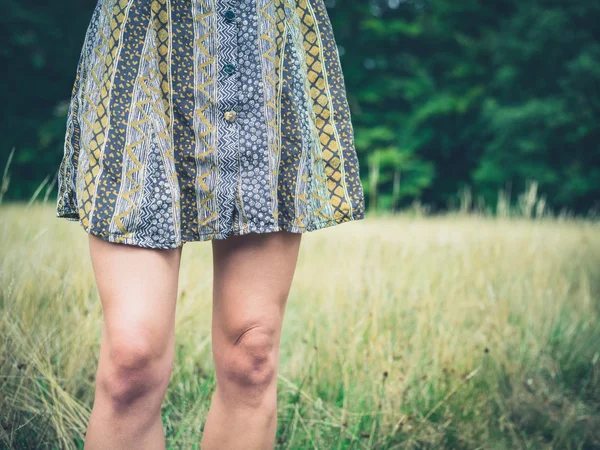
<point x="193" y="120"/>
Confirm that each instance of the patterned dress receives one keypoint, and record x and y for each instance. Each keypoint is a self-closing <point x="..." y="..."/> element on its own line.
<point x="193" y="120"/>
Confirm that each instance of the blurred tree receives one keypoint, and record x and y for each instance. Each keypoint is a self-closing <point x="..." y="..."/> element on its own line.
<point x="445" y="95"/>
<point x="542" y="108"/>
<point x="41" y="45"/>
<point x="481" y="94"/>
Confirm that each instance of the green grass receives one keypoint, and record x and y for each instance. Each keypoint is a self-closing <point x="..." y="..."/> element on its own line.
<point x="457" y="331"/>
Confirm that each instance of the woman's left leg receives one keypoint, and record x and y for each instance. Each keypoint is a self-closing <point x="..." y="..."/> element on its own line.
<point x="252" y="276"/>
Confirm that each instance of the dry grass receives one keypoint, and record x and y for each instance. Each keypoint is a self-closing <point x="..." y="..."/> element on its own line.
<point x="401" y="332"/>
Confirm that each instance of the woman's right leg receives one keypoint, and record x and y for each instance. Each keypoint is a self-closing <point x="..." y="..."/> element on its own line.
<point x="138" y="291"/>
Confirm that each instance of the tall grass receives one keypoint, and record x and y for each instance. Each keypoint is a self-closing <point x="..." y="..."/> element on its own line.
<point x="475" y="329"/>
<point x="407" y="331"/>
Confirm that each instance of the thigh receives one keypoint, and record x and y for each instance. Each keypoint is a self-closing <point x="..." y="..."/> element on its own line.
<point x="252" y="276"/>
<point x="138" y="291"/>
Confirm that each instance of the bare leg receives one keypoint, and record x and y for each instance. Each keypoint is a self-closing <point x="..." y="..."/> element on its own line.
<point x="252" y="278"/>
<point x="138" y="290"/>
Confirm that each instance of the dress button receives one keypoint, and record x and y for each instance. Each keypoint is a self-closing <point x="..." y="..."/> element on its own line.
<point x="229" y="15"/>
<point x="229" y="69"/>
<point x="230" y="116"/>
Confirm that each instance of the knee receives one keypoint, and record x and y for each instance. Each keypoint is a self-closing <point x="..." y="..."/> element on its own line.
<point x="136" y="367"/>
<point x="251" y="360"/>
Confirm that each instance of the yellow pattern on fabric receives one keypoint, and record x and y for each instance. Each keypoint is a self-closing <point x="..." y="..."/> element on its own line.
<point x="200" y="112"/>
<point x="99" y="127"/>
<point x="322" y="107"/>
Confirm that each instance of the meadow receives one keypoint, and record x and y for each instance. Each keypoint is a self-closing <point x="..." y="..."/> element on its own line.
<point x="407" y="331"/>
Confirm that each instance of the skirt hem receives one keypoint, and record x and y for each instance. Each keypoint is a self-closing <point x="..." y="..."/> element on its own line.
<point x="203" y="237"/>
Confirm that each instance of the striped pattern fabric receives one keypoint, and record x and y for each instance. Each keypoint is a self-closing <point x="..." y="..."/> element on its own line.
<point x="193" y="120"/>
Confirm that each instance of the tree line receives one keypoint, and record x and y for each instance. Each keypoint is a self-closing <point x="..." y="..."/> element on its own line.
<point x="444" y="95"/>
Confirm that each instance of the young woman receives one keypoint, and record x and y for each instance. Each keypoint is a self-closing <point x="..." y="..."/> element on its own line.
<point x="196" y="120"/>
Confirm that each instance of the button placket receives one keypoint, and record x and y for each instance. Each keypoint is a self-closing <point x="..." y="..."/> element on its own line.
<point x="229" y="17"/>
<point x="229" y="68"/>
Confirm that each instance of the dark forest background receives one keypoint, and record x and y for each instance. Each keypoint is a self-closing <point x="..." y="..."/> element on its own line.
<point x="446" y="95"/>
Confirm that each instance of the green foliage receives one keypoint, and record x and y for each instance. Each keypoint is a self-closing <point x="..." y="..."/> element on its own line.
<point x="41" y="45"/>
<point x="490" y="95"/>
<point x="444" y="95"/>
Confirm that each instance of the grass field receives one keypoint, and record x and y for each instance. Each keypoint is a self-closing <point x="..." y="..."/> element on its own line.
<point x="453" y="332"/>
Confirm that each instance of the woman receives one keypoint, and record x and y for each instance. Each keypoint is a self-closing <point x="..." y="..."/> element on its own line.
<point x="196" y="120"/>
